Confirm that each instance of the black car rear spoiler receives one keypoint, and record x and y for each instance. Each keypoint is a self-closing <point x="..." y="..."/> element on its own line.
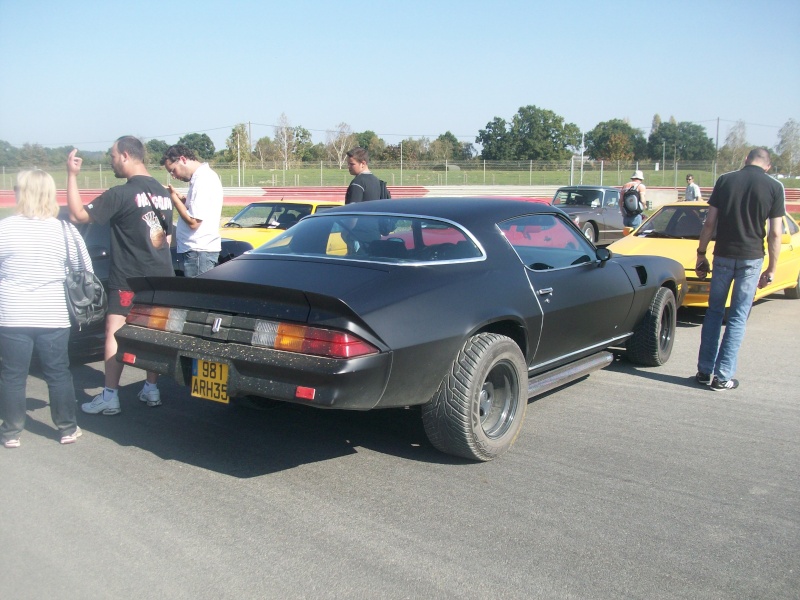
<point x="254" y="300"/>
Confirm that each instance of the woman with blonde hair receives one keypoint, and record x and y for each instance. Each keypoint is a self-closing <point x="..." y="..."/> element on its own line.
<point x="33" y="309"/>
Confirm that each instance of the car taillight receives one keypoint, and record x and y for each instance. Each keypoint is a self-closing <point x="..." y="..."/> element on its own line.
<point x="310" y="340"/>
<point x="287" y="337"/>
<point x="157" y="317"/>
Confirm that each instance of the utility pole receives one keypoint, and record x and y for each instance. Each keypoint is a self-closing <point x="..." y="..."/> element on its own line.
<point x="401" y="164"/>
<point x="238" y="160"/>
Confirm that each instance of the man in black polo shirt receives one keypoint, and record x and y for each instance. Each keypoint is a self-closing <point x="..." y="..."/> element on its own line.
<point x="739" y="207"/>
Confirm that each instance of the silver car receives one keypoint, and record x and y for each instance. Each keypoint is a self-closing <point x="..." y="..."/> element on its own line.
<point x="593" y="208"/>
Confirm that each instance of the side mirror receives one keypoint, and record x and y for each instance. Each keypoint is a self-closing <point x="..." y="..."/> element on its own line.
<point x="786" y="239"/>
<point x="627" y="230"/>
<point x="603" y="254"/>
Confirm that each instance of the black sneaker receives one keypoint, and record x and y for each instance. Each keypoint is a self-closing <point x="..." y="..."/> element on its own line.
<point x="704" y="378"/>
<point x="720" y="386"/>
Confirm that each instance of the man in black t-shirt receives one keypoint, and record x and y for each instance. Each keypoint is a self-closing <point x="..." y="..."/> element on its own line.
<point x="139" y="214"/>
<point x="365" y="186"/>
<point x="740" y="206"/>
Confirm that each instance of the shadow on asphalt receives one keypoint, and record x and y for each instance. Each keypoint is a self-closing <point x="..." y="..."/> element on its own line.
<point x="249" y="439"/>
<point x="253" y="438"/>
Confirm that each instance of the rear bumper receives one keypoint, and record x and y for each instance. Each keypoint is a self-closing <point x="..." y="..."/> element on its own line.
<point x="354" y="384"/>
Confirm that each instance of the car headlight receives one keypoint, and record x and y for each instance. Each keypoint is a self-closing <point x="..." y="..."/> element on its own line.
<point x="698" y="287"/>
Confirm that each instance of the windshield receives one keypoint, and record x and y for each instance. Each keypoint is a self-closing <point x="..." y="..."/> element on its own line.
<point x="681" y="222"/>
<point x="376" y="238"/>
<point x="271" y="215"/>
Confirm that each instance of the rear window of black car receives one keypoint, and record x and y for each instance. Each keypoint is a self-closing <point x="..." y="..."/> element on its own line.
<point x="376" y="238"/>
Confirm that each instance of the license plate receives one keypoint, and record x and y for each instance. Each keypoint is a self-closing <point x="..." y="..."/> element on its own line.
<point x="210" y="380"/>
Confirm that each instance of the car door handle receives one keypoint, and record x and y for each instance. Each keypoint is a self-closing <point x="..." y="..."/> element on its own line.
<point x="544" y="291"/>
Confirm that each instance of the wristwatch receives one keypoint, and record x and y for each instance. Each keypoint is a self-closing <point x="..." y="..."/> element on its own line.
<point x="701" y="252"/>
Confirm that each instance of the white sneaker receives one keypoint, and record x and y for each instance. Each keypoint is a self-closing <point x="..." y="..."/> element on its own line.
<point x="72" y="437"/>
<point x="153" y="397"/>
<point x="102" y="405"/>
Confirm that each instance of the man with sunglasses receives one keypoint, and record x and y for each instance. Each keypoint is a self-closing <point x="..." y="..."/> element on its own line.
<point x="692" y="190"/>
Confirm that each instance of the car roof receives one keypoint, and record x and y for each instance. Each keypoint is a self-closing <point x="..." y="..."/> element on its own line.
<point x="586" y="187"/>
<point x="469" y="211"/>
<point x="296" y="201"/>
<point x="690" y="203"/>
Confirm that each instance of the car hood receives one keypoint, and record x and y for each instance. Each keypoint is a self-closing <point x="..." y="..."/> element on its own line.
<point x="683" y="251"/>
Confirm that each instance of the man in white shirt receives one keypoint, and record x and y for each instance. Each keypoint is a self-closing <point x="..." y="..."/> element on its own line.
<point x="200" y="210"/>
<point x="692" y="190"/>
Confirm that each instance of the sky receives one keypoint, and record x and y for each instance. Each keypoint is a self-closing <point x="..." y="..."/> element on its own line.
<point x="83" y="73"/>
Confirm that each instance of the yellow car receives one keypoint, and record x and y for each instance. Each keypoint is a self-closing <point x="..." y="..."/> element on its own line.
<point x="259" y="222"/>
<point x="674" y="230"/>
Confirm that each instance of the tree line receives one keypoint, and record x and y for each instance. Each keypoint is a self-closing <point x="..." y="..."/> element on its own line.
<point x="532" y="134"/>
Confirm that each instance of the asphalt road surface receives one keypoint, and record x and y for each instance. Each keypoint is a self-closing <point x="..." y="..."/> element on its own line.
<point x="630" y="483"/>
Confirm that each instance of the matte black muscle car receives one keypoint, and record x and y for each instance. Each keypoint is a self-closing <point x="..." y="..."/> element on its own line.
<point x="465" y="306"/>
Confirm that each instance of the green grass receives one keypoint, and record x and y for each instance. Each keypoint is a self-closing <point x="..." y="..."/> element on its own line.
<point x="473" y="173"/>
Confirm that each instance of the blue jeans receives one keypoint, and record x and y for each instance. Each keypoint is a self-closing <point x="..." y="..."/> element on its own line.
<point x="633" y="221"/>
<point x="720" y="358"/>
<point x="16" y="349"/>
<point x="196" y="262"/>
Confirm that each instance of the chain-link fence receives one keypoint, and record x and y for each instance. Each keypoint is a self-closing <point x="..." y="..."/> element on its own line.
<point x="416" y="173"/>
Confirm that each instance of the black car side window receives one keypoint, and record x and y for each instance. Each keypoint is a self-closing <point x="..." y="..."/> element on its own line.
<point x="547" y="241"/>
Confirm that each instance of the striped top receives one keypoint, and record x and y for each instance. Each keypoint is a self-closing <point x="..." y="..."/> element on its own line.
<point x="32" y="273"/>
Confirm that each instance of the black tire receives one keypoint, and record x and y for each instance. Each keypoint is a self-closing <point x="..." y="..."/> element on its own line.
<point x="651" y="343"/>
<point x="589" y="232"/>
<point x="478" y="410"/>
<point x="793" y="292"/>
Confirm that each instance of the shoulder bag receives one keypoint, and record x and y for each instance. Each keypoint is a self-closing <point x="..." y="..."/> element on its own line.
<point x="86" y="298"/>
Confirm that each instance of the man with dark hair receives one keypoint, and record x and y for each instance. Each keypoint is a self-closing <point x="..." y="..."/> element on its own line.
<point x="692" y="190"/>
<point x="132" y="146"/>
<point x="139" y="214"/>
<point x="200" y="210"/>
<point x="740" y="205"/>
<point x="365" y="186"/>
